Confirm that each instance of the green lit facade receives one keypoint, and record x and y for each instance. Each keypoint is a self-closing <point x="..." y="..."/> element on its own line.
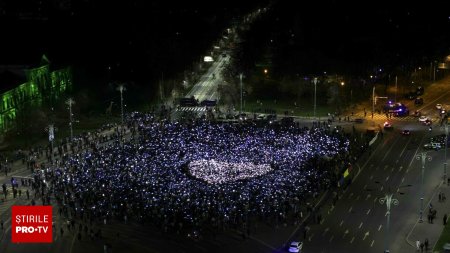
<point x="42" y="86"/>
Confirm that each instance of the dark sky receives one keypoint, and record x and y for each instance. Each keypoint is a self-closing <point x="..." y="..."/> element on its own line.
<point x="141" y="39"/>
<point x="343" y="36"/>
<point x="135" y="37"/>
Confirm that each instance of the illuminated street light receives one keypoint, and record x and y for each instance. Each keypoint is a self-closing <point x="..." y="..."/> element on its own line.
<point x="70" y="102"/>
<point x="315" y="95"/>
<point x="445" y="152"/>
<point x="51" y="136"/>
<point x="388" y="200"/>
<point x="423" y="157"/>
<point x="121" y="88"/>
<point x="240" y="78"/>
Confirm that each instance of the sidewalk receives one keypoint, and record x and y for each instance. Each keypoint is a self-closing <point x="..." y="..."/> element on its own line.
<point x="432" y="231"/>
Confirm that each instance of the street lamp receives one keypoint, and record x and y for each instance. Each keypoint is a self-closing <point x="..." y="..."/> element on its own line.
<point x="121" y="88"/>
<point x="240" y="78"/>
<point x="388" y="200"/>
<point x="395" y="89"/>
<point x="373" y="100"/>
<point x="315" y="93"/>
<point x="51" y="136"/>
<point x="70" y="102"/>
<point x="423" y="157"/>
<point x="445" y="152"/>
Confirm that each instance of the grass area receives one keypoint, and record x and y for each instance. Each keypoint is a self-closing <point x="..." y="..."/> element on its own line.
<point x="445" y="238"/>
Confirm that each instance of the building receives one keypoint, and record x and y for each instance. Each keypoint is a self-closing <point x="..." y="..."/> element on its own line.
<point x="42" y="86"/>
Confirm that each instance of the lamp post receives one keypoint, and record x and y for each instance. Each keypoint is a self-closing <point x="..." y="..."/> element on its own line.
<point x="423" y="157"/>
<point x="240" y="79"/>
<point x="51" y="136"/>
<point x="395" y="98"/>
<point x="373" y="100"/>
<point x="445" y="152"/>
<point x="121" y="88"/>
<point x="70" y="102"/>
<point x="315" y="93"/>
<point x="388" y="200"/>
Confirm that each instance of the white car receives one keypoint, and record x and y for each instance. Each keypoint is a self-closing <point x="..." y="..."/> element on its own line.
<point x="438" y="106"/>
<point x="295" y="247"/>
<point x="423" y="118"/>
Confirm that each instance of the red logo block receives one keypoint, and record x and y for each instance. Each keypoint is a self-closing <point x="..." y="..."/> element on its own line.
<point x="31" y="224"/>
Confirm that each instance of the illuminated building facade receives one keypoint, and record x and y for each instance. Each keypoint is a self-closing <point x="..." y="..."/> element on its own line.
<point x="42" y="87"/>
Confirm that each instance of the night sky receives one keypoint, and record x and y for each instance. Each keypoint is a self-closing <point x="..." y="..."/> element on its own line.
<point x="140" y="39"/>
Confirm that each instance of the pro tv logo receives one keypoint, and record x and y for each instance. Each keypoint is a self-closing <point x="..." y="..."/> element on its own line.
<point x="31" y="224"/>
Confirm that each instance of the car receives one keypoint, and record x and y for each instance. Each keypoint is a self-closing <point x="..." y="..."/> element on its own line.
<point x="417" y="113"/>
<point x="433" y="145"/>
<point x="387" y="125"/>
<point x="439" y="106"/>
<point x="295" y="247"/>
<point x="406" y="132"/>
<point x="423" y="118"/>
<point x="427" y="122"/>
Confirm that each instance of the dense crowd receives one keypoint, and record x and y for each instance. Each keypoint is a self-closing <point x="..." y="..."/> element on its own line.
<point x="177" y="175"/>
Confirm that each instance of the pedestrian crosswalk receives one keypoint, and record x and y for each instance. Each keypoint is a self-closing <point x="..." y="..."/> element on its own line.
<point x="191" y="109"/>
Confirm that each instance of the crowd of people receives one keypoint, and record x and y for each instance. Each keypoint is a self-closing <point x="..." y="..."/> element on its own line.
<point x="177" y="175"/>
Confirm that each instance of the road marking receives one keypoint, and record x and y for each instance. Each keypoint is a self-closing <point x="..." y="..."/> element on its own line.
<point x="360" y="225"/>
<point x="331" y="239"/>
<point x="407" y="170"/>
<point x="375" y="200"/>
<point x="371" y="177"/>
<point x="345" y="233"/>
<point x="309" y="238"/>
<point x="371" y="245"/>
<point x="400" y="169"/>
<point x="365" y="186"/>
<point x="403" y="179"/>
<point x="396" y="161"/>
<point x="351" y="241"/>
<point x="368" y="196"/>
<point x="398" y="189"/>
<point x="368" y="211"/>
<point x="342" y="222"/>
<point x="379" y="228"/>
<point x="349" y="210"/>
<point x="365" y="235"/>
<point x="381" y="188"/>
<point x="324" y="232"/>
<point x="393" y="168"/>
<point x="385" y="167"/>
<point x="387" y="178"/>
<point x="357" y="198"/>
<point x="350" y="196"/>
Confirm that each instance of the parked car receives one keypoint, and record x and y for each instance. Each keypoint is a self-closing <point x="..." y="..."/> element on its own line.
<point x="439" y="106"/>
<point x="433" y="145"/>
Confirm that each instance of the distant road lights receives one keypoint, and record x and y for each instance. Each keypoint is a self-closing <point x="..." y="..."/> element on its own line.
<point x="342" y="83"/>
<point x="266" y="71"/>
